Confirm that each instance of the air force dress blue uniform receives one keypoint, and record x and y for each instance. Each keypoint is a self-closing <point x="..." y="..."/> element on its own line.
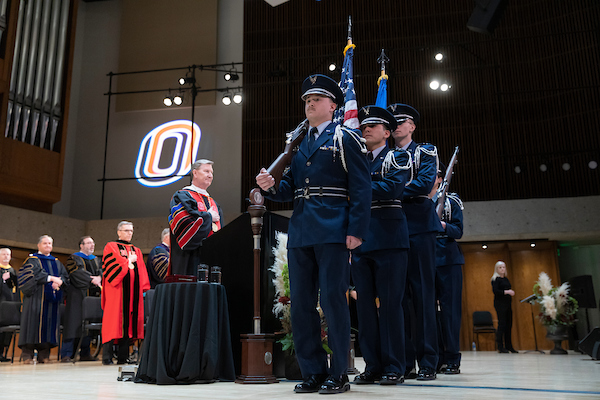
<point x="449" y="261"/>
<point x="329" y="182"/>
<point x="423" y="225"/>
<point x="379" y="265"/>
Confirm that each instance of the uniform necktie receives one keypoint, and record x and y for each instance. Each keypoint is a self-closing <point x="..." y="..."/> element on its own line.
<point x="370" y="156"/>
<point x="312" y="138"/>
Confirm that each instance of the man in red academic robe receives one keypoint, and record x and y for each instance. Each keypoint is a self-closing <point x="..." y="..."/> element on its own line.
<point x="194" y="216"/>
<point x="124" y="280"/>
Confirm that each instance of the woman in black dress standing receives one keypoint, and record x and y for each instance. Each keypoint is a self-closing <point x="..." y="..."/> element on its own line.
<point x="502" y="303"/>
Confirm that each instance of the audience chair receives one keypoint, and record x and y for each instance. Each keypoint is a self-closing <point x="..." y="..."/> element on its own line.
<point x="92" y="319"/>
<point x="483" y="323"/>
<point x="10" y="322"/>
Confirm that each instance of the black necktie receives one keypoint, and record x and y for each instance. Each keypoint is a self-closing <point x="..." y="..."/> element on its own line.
<point x="370" y="156"/>
<point x="312" y="138"/>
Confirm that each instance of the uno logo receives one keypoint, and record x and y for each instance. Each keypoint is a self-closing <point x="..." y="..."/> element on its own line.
<point x="152" y="151"/>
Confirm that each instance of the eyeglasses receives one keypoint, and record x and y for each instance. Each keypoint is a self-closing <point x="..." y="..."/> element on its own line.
<point x="126" y="230"/>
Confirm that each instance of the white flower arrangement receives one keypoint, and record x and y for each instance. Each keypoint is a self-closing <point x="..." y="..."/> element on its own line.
<point x="557" y="307"/>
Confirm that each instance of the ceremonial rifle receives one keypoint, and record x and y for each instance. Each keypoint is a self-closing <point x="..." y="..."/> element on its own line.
<point x="293" y="140"/>
<point x="441" y="198"/>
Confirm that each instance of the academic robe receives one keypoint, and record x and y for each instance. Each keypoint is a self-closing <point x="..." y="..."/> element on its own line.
<point x="9" y="290"/>
<point x="40" y="319"/>
<point x="122" y="292"/>
<point x="158" y="264"/>
<point x="190" y="223"/>
<point x="81" y="268"/>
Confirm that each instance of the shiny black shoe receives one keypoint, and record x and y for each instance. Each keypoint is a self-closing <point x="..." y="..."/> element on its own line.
<point x="512" y="350"/>
<point x="367" y="378"/>
<point x="391" y="378"/>
<point x="333" y="385"/>
<point x="502" y="350"/>
<point x="452" y="369"/>
<point x="426" y="374"/>
<point x="310" y="384"/>
<point x="410" y="374"/>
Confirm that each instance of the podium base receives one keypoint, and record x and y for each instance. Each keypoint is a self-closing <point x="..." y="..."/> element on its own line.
<point x="257" y="359"/>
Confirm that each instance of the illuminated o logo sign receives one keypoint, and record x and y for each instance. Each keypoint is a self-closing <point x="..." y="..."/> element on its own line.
<point x="147" y="169"/>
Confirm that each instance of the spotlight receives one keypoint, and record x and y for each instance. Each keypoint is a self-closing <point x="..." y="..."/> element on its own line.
<point x="484" y="246"/>
<point x="186" y="79"/>
<point x="593" y="164"/>
<point x="518" y="169"/>
<point x="532" y="244"/>
<point x="543" y="167"/>
<point x="566" y="166"/>
<point x="434" y="85"/>
<point x="237" y="98"/>
<point x="178" y="99"/>
<point x="168" y="101"/>
<point x="332" y="67"/>
<point x="226" y="99"/>
<point x="231" y="76"/>
<point x="445" y="87"/>
<point x="439" y="57"/>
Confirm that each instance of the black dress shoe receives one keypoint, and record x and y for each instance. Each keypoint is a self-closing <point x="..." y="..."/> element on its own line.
<point x="366" y="378"/>
<point x="410" y="374"/>
<point x="310" y="384"/>
<point x="426" y="374"/>
<point x="391" y="378"/>
<point x="502" y="350"/>
<point x="333" y="385"/>
<point x="513" y="351"/>
<point x="107" y="362"/>
<point x="4" y="359"/>
<point x="452" y="369"/>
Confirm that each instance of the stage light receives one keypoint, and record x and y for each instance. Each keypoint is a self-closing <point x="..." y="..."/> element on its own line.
<point x="484" y="246"/>
<point x="231" y="76"/>
<point x="182" y="81"/>
<point x="178" y="99"/>
<point x="168" y="101"/>
<point x="532" y="244"/>
<point x="518" y="169"/>
<point x="186" y="79"/>
<point x="332" y="67"/>
<point x="444" y="87"/>
<point x="237" y="98"/>
<point x="543" y="167"/>
<point x="226" y="99"/>
<point x="439" y="57"/>
<point x="593" y="164"/>
<point x="434" y="85"/>
<point x="566" y="166"/>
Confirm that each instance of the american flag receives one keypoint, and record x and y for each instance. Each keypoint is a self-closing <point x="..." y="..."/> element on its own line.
<point x="348" y="113"/>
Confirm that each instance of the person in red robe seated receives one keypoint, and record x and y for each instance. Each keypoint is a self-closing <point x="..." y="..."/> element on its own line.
<point x="194" y="217"/>
<point x="124" y="281"/>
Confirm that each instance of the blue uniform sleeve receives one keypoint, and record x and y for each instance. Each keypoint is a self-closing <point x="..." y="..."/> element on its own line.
<point x="424" y="178"/>
<point x="359" y="188"/>
<point x="391" y="185"/>
<point x="454" y="227"/>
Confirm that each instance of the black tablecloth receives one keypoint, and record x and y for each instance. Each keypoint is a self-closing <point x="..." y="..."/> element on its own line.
<point x="187" y="336"/>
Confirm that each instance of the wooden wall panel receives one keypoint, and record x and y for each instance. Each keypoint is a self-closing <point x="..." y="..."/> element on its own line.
<point x="524" y="265"/>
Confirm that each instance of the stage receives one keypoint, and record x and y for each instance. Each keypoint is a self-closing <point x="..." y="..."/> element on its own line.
<point x="484" y="374"/>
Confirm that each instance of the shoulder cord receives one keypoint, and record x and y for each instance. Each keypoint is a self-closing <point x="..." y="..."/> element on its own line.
<point x="338" y="142"/>
<point x="390" y="161"/>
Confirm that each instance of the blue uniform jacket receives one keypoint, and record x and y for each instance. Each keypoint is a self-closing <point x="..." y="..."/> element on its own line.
<point x="388" y="228"/>
<point x="327" y="219"/>
<point x="448" y="252"/>
<point x="419" y="209"/>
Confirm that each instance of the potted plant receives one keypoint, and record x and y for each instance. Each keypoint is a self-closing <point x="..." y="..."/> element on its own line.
<point x="557" y="310"/>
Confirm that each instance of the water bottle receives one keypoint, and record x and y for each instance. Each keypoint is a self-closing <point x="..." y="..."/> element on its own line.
<point x="215" y="274"/>
<point x="474" y="346"/>
<point x="203" y="272"/>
